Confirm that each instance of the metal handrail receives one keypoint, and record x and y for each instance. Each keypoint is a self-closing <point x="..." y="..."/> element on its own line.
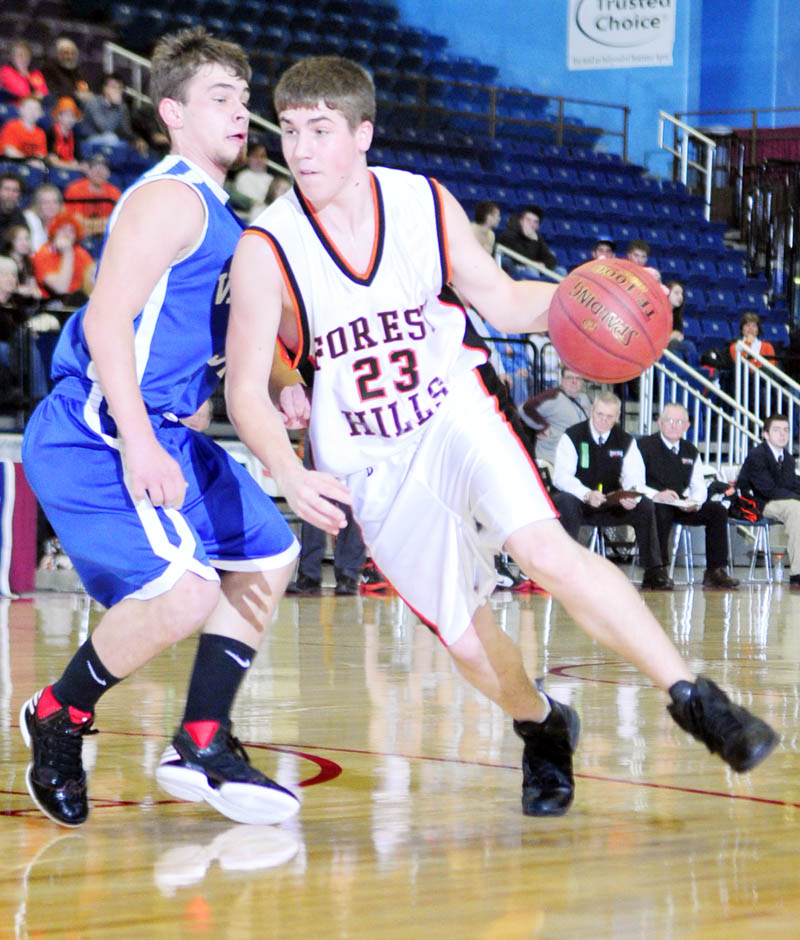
<point x="526" y="262"/>
<point x="491" y="116"/>
<point x="760" y="379"/>
<point x="721" y="426"/>
<point x="683" y="134"/>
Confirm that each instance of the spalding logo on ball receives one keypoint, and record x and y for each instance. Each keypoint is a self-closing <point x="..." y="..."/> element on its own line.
<point x="609" y="320"/>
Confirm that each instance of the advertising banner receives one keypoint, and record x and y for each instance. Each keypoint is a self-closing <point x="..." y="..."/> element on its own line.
<point x="620" y="34"/>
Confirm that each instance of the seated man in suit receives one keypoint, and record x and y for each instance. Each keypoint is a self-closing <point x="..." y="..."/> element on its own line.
<point x="768" y="475"/>
<point x="674" y="472"/>
<point x="595" y="458"/>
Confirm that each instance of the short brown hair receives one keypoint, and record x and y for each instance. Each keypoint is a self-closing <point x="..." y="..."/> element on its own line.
<point x="178" y="56"/>
<point x="340" y="83"/>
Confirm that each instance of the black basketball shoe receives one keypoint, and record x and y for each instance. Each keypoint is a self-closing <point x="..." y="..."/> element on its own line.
<point x="55" y="777"/>
<point x="547" y="782"/>
<point x="221" y="774"/>
<point x="706" y="712"/>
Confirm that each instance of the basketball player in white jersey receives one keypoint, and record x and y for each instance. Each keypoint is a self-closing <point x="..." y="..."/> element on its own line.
<point x="150" y="510"/>
<point x="347" y="270"/>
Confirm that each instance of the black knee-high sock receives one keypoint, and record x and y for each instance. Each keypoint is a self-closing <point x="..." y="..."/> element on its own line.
<point x="219" y="667"/>
<point x="84" y="680"/>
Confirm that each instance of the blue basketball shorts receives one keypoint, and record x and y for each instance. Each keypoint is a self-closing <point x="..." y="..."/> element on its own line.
<point x="123" y="548"/>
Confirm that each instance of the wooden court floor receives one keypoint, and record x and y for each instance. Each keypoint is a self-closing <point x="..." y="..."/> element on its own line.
<point x="410" y="823"/>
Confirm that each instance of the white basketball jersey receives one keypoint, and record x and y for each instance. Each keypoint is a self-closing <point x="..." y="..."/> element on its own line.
<point x="384" y="349"/>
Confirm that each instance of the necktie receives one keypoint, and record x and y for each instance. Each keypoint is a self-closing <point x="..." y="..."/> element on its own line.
<point x="675" y="449"/>
<point x="601" y="440"/>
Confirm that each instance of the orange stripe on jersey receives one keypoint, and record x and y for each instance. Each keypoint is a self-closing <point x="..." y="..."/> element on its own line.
<point x="447" y="268"/>
<point x="514" y="434"/>
<point x="292" y="291"/>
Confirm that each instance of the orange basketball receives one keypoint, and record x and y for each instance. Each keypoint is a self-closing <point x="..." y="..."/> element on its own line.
<point x="609" y="320"/>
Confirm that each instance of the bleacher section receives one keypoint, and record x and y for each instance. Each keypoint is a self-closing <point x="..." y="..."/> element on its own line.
<point x="449" y="116"/>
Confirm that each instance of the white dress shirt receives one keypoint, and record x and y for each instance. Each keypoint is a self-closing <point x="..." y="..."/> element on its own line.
<point x="566" y="463"/>
<point x="697" y="490"/>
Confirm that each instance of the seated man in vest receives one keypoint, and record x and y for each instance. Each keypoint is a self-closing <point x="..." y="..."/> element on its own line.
<point x="768" y="475"/>
<point x="674" y="481"/>
<point x="594" y="459"/>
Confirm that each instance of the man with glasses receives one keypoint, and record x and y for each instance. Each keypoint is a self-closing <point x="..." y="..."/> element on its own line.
<point x="595" y="460"/>
<point x="552" y="411"/>
<point x="675" y="482"/>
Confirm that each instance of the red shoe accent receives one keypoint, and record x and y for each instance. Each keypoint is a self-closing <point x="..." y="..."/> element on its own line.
<point x="77" y="717"/>
<point x="47" y="703"/>
<point x="529" y="587"/>
<point x="201" y="732"/>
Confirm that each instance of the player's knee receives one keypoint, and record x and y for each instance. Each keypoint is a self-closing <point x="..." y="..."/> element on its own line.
<point x="187" y="607"/>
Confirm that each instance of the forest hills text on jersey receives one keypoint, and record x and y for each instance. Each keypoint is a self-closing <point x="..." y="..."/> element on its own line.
<point x="396" y="402"/>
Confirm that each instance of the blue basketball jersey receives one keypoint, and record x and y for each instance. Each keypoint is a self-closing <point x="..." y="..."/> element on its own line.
<point x="180" y="332"/>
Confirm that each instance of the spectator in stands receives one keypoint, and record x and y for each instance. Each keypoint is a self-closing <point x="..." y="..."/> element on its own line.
<point x="768" y="476"/>
<point x="551" y="412"/>
<point x="487" y="218"/>
<point x="638" y="252"/>
<point x="17" y="78"/>
<point x="46" y="203"/>
<point x="676" y="484"/>
<point x="21" y="138"/>
<point x="249" y="187"/>
<point x="280" y="185"/>
<point x="11" y="319"/>
<point x="93" y="198"/>
<point x="604" y="247"/>
<point x="750" y="334"/>
<point x="62" y="146"/>
<point x="16" y="245"/>
<point x="147" y="127"/>
<point x="63" y="73"/>
<point x="678" y="343"/>
<point x="106" y="119"/>
<point x="595" y="459"/>
<point x="521" y="234"/>
<point x="64" y="268"/>
<point x="10" y="200"/>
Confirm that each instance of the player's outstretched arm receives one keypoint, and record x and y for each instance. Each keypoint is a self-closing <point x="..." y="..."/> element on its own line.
<point x="159" y="223"/>
<point x="509" y="305"/>
<point x="257" y="302"/>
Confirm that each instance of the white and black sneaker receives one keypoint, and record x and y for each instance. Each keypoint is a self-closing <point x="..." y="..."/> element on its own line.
<point x="221" y="774"/>
<point x="506" y="579"/>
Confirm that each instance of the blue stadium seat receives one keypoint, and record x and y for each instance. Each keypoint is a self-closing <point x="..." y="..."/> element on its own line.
<point x="703" y="272"/>
<point x="640" y="208"/>
<point x="624" y="232"/>
<point x="730" y="274"/>
<point x="568" y="228"/>
<point x="721" y="300"/>
<point x="534" y="173"/>
<point x="695" y="298"/>
<point x="62" y="177"/>
<point x="559" y="202"/>
<point x="676" y="268"/>
<point x="777" y="332"/>
<point x="683" y="238"/>
<point x="566" y="178"/>
<point x="614" y="209"/>
<point x="750" y="298"/>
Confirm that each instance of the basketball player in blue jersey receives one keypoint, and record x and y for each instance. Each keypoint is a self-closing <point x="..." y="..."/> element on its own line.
<point x="347" y="271"/>
<point x="165" y="530"/>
